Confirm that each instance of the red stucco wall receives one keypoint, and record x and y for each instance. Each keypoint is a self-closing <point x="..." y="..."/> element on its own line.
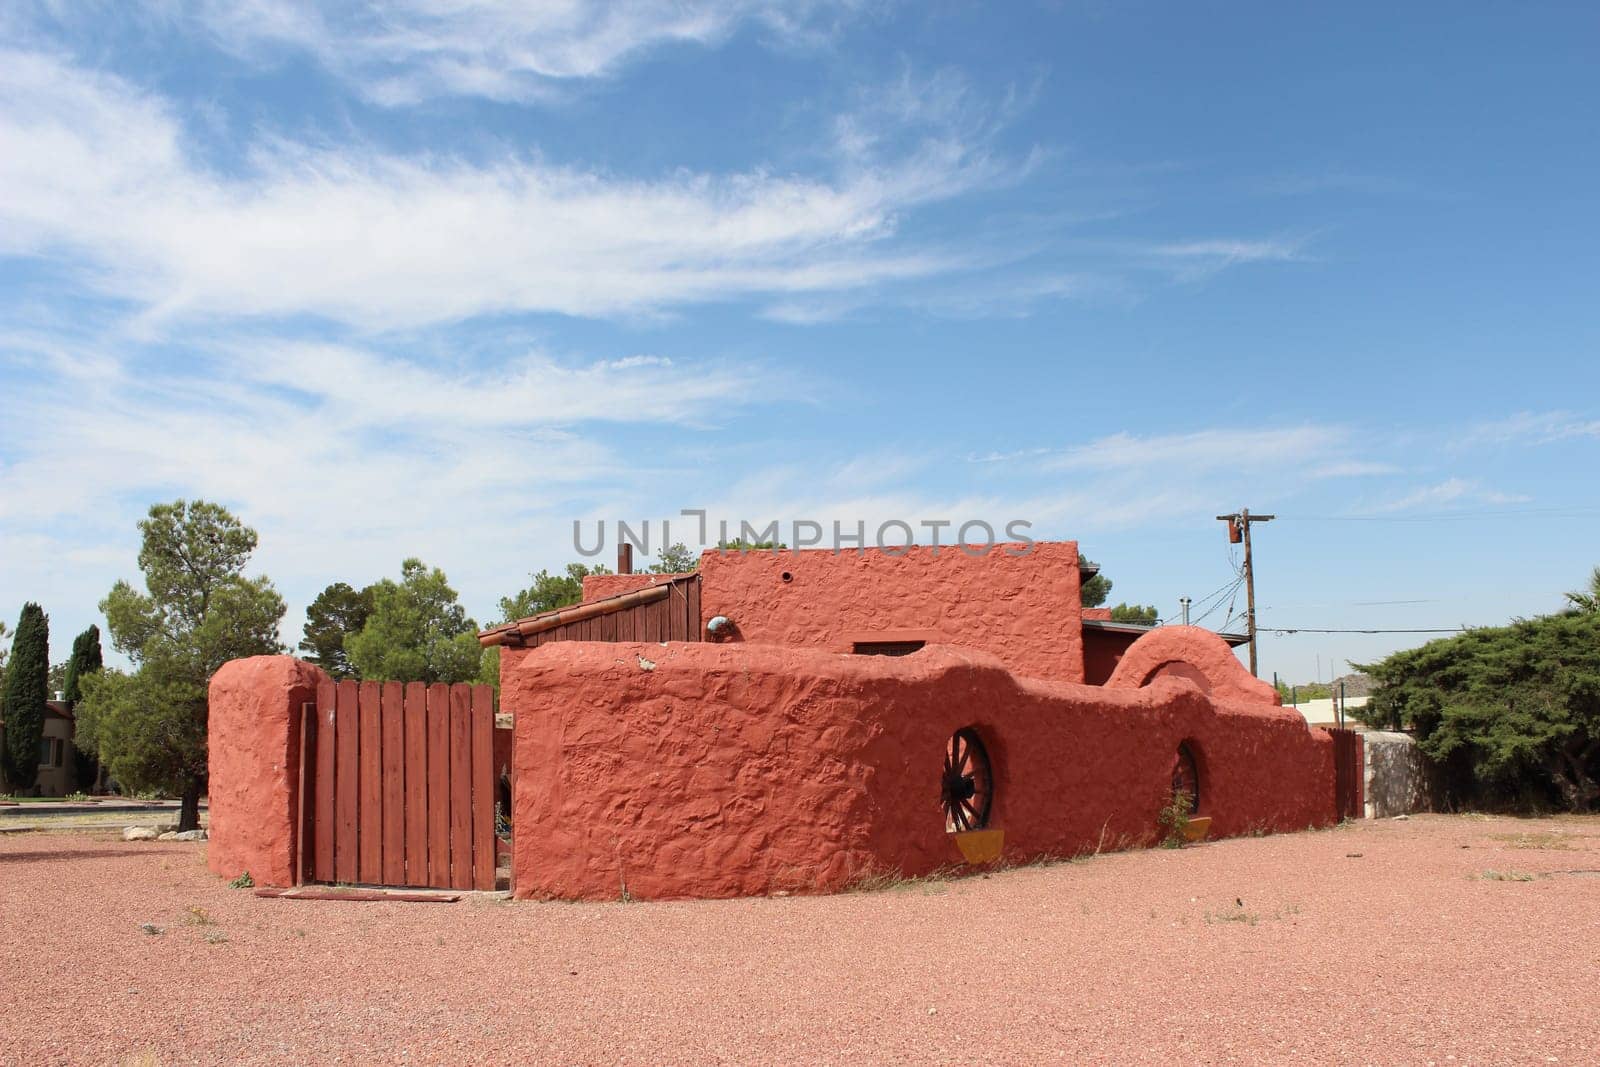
<point x="254" y="756"/>
<point x="1190" y="650"/>
<point x="1102" y="651"/>
<point x="1022" y="609"/>
<point x="721" y="770"/>
<point x="600" y="586"/>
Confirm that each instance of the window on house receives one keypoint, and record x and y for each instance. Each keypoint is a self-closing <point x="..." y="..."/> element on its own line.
<point x="887" y="648"/>
<point x="50" y="752"/>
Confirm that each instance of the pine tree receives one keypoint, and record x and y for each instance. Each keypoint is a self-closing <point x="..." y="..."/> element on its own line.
<point x="26" y="690"/>
<point x="198" y="612"/>
<point x="1096" y="590"/>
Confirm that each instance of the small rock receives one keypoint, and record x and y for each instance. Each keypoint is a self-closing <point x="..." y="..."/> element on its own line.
<point x="151" y="928"/>
<point x="170" y="835"/>
<point x="1401" y="818"/>
<point x="191" y="835"/>
<point x="646" y="664"/>
<point x="1352" y="855"/>
<point x="139" y="833"/>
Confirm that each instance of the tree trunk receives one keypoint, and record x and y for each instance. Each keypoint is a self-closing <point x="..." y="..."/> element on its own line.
<point x="189" y="813"/>
<point x="1578" y="789"/>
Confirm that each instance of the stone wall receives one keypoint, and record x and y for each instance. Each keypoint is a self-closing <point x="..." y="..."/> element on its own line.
<point x="1399" y="778"/>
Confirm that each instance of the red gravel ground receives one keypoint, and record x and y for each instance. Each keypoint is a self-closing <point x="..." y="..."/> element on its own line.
<point x="1384" y="942"/>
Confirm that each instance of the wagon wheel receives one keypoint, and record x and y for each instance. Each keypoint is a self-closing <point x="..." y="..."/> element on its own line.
<point x="967" y="788"/>
<point x="1186" y="777"/>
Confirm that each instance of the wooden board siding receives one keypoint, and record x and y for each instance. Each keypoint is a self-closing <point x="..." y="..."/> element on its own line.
<point x="323" y="812"/>
<point x="400" y="786"/>
<point x="369" y="865"/>
<point x="674" y="617"/>
<point x="438" y="785"/>
<point x="460" y="787"/>
<point x="393" y="761"/>
<point x="416" y="860"/>
<point x="346" y="830"/>
<point x="483" y="775"/>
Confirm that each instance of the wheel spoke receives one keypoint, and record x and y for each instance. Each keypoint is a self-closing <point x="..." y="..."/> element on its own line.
<point x="967" y="788"/>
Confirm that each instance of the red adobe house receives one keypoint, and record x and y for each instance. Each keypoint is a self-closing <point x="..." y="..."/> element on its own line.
<point x="776" y="722"/>
<point x="789" y="721"/>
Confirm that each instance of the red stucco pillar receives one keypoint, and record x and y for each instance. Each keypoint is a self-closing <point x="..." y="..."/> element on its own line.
<point x="254" y="754"/>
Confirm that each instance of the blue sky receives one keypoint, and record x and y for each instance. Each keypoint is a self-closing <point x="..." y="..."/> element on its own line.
<point x="443" y="280"/>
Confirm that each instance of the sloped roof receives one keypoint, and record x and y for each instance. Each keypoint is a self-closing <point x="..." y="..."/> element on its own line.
<point x="514" y="632"/>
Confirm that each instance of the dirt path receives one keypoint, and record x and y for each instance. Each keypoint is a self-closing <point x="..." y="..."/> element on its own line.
<point x="1381" y="942"/>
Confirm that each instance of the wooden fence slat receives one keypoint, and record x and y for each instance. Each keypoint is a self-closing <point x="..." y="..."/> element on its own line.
<point x="696" y="626"/>
<point x="394" y="783"/>
<point x="347" y="834"/>
<point x="439" y="785"/>
<point x="370" y="866"/>
<point x="483" y="779"/>
<point x="416" y="731"/>
<point x="325" y="817"/>
<point x="306" y="796"/>
<point x="460" y="787"/>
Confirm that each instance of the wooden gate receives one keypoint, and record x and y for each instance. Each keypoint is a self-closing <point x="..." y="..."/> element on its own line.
<point x="397" y="785"/>
<point x="1348" y="774"/>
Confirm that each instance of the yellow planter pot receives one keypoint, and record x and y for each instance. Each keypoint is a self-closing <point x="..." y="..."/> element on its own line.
<point x="980" y="846"/>
<point x="1197" y="829"/>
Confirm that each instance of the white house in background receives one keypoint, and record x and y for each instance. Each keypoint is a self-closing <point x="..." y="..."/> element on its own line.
<point x="1322" y="712"/>
<point x="57" y="772"/>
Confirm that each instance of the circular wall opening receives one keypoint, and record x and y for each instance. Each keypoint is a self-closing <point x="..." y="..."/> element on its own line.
<point x="966" y="791"/>
<point x="786" y="576"/>
<point x="1186" y="776"/>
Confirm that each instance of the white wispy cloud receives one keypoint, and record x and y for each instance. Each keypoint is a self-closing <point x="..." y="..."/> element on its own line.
<point x="1205" y="449"/>
<point x="1354" y="468"/>
<point x="346" y="460"/>
<point x="98" y="173"/>
<point x="1198" y="260"/>
<point x="1451" y="491"/>
<point x="1533" y="428"/>
<point x="408" y="50"/>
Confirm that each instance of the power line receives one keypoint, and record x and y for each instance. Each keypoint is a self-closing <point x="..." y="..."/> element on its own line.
<point x="1282" y="630"/>
<point x="1197" y="605"/>
<point x="1232" y="588"/>
<point x="1451" y="516"/>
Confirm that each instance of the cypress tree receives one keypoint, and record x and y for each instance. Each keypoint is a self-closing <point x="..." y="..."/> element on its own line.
<point x="22" y="705"/>
<point x="86" y="659"/>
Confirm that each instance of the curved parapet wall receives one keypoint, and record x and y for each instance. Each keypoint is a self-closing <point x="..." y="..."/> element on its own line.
<point x="1195" y="654"/>
<point x="698" y="770"/>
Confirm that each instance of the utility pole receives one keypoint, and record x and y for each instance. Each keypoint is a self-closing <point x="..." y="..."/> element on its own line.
<point x="1239" y="530"/>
